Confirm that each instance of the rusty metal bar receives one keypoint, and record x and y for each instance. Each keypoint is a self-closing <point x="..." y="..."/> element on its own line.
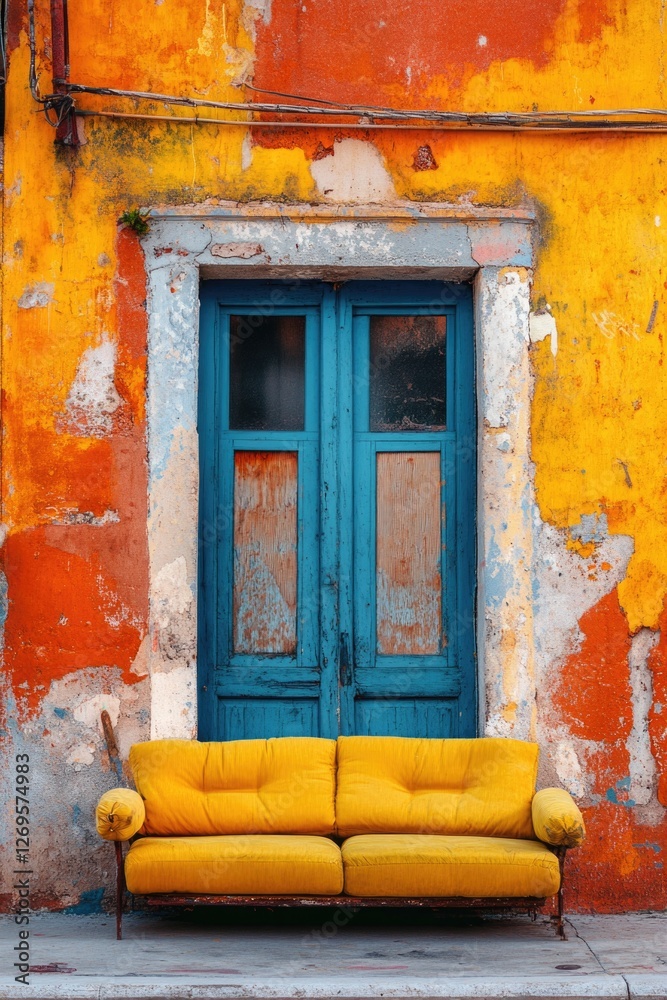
<point x="112" y="746"/>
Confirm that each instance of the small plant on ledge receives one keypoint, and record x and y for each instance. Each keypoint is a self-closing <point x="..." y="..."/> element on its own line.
<point x="136" y="220"/>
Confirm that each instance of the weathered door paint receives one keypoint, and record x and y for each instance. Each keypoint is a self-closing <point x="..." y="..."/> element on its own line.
<point x="337" y="509"/>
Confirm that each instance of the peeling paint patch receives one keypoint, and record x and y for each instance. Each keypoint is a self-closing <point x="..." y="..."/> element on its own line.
<point x="82" y="755"/>
<point x="498" y="245"/>
<point x="140" y="664"/>
<point x="355" y="173"/>
<point x="424" y="159"/>
<point x="87" y="517"/>
<point x="591" y="528"/>
<point x="172" y="594"/>
<point x="93" y="397"/>
<point x="263" y="8"/>
<point x="90" y="902"/>
<point x="543" y="325"/>
<point x="564" y="590"/>
<point x="246" y="152"/>
<point x="610" y="325"/>
<point x="37" y="296"/>
<point x="643" y="772"/>
<point x="242" y="250"/>
<point x="174" y="690"/>
<point x="619" y="794"/>
<point x="569" y="769"/>
<point x="4" y="603"/>
<point x="88" y="712"/>
<point x="650" y="846"/>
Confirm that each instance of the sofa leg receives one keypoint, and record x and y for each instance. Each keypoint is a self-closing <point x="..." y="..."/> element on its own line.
<point x="120" y="890"/>
<point x="560" y="925"/>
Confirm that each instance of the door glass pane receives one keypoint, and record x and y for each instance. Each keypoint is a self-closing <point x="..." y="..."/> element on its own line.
<point x="408" y="581"/>
<point x="265" y="556"/>
<point x="407" y="373"/>
<point x="267" y="367"/>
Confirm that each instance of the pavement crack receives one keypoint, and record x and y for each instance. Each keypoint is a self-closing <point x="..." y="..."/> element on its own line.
<point x="582" y="938"/>
<point x="627" y="986"/>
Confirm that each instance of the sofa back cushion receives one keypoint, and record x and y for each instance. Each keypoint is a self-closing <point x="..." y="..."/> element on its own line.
<point x="282" y="785"/>
<point x="481" y="787"/>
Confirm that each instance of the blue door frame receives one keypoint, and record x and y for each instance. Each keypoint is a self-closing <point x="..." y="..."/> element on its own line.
<point x="336" y="679"/>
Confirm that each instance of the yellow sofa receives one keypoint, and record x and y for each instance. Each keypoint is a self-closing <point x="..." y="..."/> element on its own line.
<point x="365" y="820"/>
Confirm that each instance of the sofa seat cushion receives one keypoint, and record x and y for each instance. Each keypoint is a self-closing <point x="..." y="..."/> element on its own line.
<point x="478" y="787"/>
<point x="427" y="865"/>
<point x="235" y="865"/>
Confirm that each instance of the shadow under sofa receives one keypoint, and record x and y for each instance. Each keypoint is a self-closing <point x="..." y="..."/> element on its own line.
<point x="358" y="821"/>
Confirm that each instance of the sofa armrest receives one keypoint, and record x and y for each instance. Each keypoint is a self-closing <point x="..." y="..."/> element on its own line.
<point x="120" y="814"/>
<point x="557" y="819"/>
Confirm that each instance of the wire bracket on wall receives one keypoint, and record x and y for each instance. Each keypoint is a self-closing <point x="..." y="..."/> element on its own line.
<point x="59" y="108"/>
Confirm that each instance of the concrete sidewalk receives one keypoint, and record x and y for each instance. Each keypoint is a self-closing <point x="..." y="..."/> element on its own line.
<point x="324" y="954"/>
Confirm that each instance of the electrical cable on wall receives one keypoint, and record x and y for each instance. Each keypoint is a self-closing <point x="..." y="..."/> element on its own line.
<point x="61" y="106"/>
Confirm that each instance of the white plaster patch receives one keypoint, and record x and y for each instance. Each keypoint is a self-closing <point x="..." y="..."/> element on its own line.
<point x="93" y="398"/>
<point x="506" y="504"/>
<point x="482" y="41"/>
<point x="504" y="309"/>
<point x="643" y="772"/>
<point x="543" y="325"/>
<point x="355" y="173"/>
<point x="173" y="701"/>
<point x="246" y="152"/>
<point x="82" y="755"/>
<point x="37" y="296"/>
<point x="88" y="712"/>
<point x="569" y="769"/>
<point x="173" y="485"/>
<point x="497" y="726"/>
<point x="171" y="592"/>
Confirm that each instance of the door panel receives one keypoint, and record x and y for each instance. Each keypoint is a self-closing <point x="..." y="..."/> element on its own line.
<point x="406" y="716"/>
<point x="337" y="510"/>
<point x="265" y="552"/>
<point x="258" y="718"/>
<point x="259" y="423"/>
<point x="405" y="425"/>
<point x="408" y="554"/>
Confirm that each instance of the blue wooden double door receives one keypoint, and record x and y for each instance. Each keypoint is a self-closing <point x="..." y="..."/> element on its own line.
<point x="337" y="509"/>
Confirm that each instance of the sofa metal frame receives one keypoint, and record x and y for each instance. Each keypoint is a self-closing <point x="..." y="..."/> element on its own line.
<point x="531" y="904"/>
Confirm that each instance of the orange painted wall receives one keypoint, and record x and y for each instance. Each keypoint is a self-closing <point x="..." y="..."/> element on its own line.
<point x="74" y="357"/>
